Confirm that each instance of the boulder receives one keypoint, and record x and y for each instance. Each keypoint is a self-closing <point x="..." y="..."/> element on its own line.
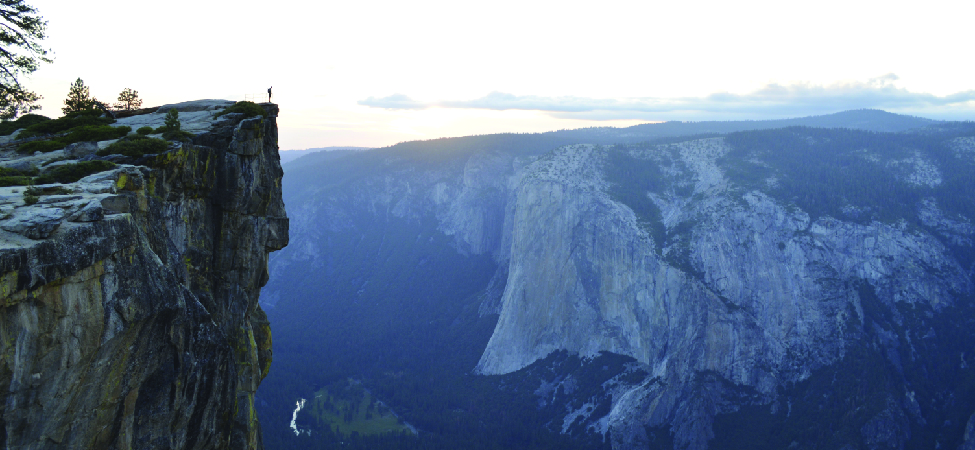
<point x="21" y="165"/>
<point x="80" y="149"/>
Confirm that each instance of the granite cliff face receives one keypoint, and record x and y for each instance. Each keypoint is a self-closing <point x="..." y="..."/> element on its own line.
<point x="744" y="288"/>
<point x="130" y="314"/>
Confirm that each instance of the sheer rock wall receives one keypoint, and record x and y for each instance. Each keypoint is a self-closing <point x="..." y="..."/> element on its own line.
<point x="137" y="324"/>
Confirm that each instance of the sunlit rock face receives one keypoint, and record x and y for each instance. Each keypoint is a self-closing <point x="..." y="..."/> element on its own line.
<point x="130" y="314"/>
<point x="746" y="289"/>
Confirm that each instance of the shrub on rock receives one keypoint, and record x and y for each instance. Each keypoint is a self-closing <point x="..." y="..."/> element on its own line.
<point x="65" y="123"/>
<point x="248" y="109"/>
<point x="95" y="133"/>
<point x="69" y="173"/>
<point x="135" y="147"/>
<point x="40" y="146"/>
<point x="8" y="127"/>
<point x="13" y="177"/>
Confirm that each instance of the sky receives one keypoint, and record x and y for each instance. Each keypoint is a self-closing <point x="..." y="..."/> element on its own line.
<point x="374" y="73"/>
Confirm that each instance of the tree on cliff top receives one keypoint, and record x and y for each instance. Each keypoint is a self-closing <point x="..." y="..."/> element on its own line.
<point x="128" y="100"/>
<point x="21" y="30"/>
<point x="79" y="99"/>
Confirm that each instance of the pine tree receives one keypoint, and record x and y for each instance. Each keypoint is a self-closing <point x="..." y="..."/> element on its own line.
<point x="172" y="120"/>
<point x="21" y="30"/>
<point x="128" y="100"/>
<point x="78" y="98"/>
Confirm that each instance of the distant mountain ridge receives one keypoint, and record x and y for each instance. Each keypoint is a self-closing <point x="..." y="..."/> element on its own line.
<point x="857" y="119"/>
<point x="291" y="155"/>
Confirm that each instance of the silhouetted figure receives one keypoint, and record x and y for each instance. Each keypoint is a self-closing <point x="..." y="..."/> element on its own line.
<point x="269" y="94"/>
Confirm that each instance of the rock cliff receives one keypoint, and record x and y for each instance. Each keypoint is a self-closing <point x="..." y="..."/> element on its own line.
<point x="130" y="314"/>
<point x="744" y="288"/>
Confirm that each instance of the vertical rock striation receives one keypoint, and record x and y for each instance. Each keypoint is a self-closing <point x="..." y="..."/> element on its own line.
<point x="746" y="294"/>
<point x="135" y="323"/>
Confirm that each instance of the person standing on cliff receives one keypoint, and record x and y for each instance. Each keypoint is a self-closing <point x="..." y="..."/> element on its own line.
<point x="269" y="94"/>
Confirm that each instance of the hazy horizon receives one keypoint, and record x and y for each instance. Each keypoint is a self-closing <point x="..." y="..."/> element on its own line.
<point x="375" y="73"/>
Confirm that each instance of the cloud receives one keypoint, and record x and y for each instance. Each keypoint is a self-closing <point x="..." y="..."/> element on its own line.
<point x="395" y="101"/>
<point x="771" y="101"/>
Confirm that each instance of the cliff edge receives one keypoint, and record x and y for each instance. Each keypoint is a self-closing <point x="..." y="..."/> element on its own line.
<point x="130" y="314"/>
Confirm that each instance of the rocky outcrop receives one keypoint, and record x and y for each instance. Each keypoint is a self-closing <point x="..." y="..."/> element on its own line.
<point x="968" y="439"/>
<point x="130" y="314"/>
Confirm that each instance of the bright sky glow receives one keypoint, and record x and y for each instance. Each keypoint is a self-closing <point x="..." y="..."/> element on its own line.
<point x="477" y="68"/>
